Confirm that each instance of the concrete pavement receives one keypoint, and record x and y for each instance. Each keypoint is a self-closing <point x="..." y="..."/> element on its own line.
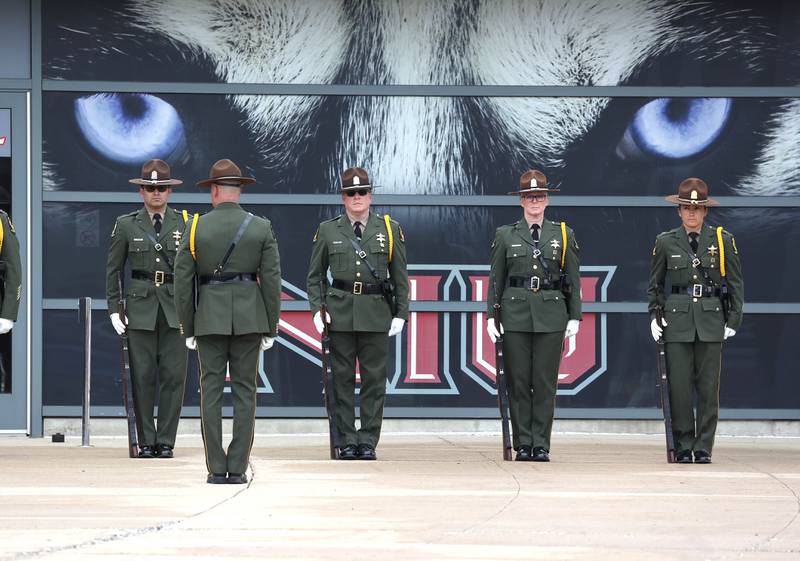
<point x="428" y="496"/>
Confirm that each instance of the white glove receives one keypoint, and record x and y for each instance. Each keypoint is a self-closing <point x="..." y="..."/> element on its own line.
<point x="396" y="327"/>
<point x="494" y="334"/>
<point x="728" y="332"/>
<point x="5" y="325"/>
<point x="266" y="343"/>
<point x="119" y="323"/>
<point x="656" y="330"/>
<point x="573" y="326"/>
<point x="191" y="343"/>
<point x="318" y="321"/>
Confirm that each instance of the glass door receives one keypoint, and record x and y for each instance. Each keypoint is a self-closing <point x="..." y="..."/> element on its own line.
<point x="14" y="378"/>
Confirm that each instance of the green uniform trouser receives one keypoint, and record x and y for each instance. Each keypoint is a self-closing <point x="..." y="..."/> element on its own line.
<point x="694" y="367"/>
<point x="532" y="361"/>
<point x="161" y="351"/>
<point x="370" y="349"/>
<point x="214" y="353"/>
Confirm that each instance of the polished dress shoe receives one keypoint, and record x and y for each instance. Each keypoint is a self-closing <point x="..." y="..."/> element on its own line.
<point x="539" y="454"/>
<point x="523" y="454"/>
<point x="147" y="451"/>
<point x="216" y="478"/>
<point x="164" y="451"/>
<point x="684" y="457"/>
<point x="366" y="452"/>
<point x="237" y="478"/>
<point x="702" y="457"/>
<point x="349" y="452"/>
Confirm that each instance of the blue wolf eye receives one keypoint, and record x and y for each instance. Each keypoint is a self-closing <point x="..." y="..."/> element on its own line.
<point x="675" y="127"/>
<point x="130" y="128"/>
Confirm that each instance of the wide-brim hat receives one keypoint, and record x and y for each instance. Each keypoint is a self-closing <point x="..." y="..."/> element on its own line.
<point x="533" y="181"/>
<point x="355" y="178"/>
<point x="155" y="172"/>
<point x="225" y="172"/>
<point x="692" y="191"/>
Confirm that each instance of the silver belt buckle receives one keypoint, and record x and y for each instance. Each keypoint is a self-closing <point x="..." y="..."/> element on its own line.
<point x="159" y="278"/>
<point x="357" y="286"/>
<point x="535" y="284"/>
<point x="697" y="290"/>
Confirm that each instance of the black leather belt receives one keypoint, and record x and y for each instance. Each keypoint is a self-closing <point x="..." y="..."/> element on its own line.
<point x="158" y="277"/>
<point x="533" y="283"/>
<point x="696" y="290"/>
<point x="357" y="287"/>
<point x="227" y="278"/>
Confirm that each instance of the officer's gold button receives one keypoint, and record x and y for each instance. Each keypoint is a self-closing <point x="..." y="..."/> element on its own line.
<point x="694" y="299"/>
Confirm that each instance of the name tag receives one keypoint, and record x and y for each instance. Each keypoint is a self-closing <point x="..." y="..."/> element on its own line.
<point x="676" y="255"/>
<point x="337" y="241"/>
<point x="138" y="239"/>
<point x="516" y="245"/>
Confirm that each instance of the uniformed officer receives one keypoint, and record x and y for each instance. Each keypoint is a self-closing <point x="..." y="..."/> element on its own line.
<point x="367" y="302"/>
<point x="10" y="274"/>
<point x="147" y="240"/>
<point x="535" y="266"/>
<point x="234" y="257"/>
<point x="702" y="308"/>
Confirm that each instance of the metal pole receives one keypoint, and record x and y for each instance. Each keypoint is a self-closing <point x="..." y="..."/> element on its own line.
<point x="86" y="315"/>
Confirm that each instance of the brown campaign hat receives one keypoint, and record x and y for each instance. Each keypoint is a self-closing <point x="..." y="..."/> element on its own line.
<point x="155" y="172"/>
<point x="533" y="181"/>
<point x="225" y="172"/>
<point x="692" y="191"/>
<point x="355" y="178"/>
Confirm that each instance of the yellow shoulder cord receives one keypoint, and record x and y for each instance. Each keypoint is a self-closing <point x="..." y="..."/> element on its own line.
<point x="2" y="233"/>
<point x="386" y="219"/>
<point x="721" y="252"/>
<point x="185" y="214"/>
<point x="192" y="234"/>
<point x="563" y="243"/>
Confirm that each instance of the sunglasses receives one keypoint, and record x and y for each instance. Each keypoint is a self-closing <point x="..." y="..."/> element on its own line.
<point x="537" y="198"/>
<point x="359" y="192"/>
<point x="154" y="188"/>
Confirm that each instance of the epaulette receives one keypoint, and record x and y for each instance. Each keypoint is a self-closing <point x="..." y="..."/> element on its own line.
<point x="334" y="219"/>
<point x="130" y="214"/>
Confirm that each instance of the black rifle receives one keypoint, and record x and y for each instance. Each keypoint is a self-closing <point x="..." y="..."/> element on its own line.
<point x="327" y="376"/>
<point x="663" y="389"/>
<point x="125" y="377"/>
<point x="500" y="379"/>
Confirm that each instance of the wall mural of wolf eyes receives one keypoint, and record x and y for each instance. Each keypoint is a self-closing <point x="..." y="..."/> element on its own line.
<point x="588" y="146"/>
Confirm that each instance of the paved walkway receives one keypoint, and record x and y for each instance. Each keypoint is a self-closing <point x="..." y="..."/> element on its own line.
<point x="427" y="497"/>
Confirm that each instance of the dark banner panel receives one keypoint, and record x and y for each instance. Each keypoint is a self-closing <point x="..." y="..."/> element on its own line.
<point x="610" y="364"/>
<point x="450" y="42"/>
<point x="76" y="238"/>
<point x="426" y="145"/>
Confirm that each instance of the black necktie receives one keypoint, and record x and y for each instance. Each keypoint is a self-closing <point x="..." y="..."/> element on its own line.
<point x="357" y="229"/>
<point x="535" y="233"/>
<point x="157" y="223"/>
<point x="693" y="241"/>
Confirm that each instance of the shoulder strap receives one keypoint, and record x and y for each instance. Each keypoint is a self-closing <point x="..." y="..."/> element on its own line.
<point x="2" y="234"/>
<point x="236" y="238"/>
<point x="157" y="246"/>
<point x="721" y="252"/>
<point x="192" y="234"/>
<point x="363" y="255"/>
<point x="563" y="243"/>
<point x="387" y="221"/>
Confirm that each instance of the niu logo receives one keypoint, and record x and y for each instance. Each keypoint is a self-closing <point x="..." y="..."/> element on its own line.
<point x="440" y="352"/>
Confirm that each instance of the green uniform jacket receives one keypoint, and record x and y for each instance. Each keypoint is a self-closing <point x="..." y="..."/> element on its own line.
<point x="522" y="309"/>
<point x="12" y="289"/>
<point x="333" y="250"/>
<point x="130" y="242"/>
<point x="686" y="315"/>
<point x="233" y="308"/>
